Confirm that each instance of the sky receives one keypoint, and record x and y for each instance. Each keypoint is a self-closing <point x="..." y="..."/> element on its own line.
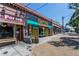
<point x="54" y="11"/>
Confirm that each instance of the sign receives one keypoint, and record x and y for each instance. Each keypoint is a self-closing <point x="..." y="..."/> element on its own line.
<point x="11" y="19"/>
<point x="19" y="20"/>
<point x="43" y="22"/>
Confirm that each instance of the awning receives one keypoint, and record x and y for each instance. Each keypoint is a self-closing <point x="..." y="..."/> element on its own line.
<point x="49" y="26"/>
<point x="45" y="25"/>
<point x="36" y="23"/>
<point x="32" y="22"/>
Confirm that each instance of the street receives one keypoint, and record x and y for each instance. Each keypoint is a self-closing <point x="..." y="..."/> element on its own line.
<point x="59" y="45"/>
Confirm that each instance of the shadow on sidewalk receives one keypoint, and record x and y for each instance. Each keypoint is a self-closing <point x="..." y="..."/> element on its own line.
<point x="70" y="41"/>
<point x="66" y="41"/>
<point x="73" y="34"/>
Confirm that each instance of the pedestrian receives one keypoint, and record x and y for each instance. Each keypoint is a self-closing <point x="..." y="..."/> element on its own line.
<point x="17" y="35"/>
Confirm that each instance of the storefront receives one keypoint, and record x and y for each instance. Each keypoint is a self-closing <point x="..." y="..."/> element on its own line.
<point x="39" y="29"/>
<point x="9" y="25"/>
<point x="6" y="30"/>
<point x="44" y="28"/>
<point x="33" y="28"/>
<point x="56" y="29"/>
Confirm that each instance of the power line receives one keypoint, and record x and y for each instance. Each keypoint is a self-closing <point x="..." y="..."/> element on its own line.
<point x="37" y="8"/>
<point x="42" y="6"/>
<point x="27" y="4"/>
<point x="68" y="15"/>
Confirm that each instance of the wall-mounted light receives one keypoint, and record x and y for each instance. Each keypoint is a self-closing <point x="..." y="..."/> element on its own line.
<point x="3" y="25"/>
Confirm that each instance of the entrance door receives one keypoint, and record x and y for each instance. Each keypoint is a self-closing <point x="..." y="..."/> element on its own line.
<point x="46" y="32"/>
<point x="20" y="30"/>
<point x="35" y="32"/>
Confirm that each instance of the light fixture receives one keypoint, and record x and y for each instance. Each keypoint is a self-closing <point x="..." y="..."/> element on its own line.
<point x="3" y="25"/>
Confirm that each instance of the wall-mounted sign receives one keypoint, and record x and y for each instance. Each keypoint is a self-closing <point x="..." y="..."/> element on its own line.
<point x="42" y="22"/>
<point x="11" y="19"/>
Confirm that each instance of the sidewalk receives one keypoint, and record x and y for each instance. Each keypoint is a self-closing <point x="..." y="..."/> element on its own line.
<point x="50" y="50"/>
<point x="49" y="38"/>
<point x="52" y="38"/>
<point x="20" y="49"/>
<point x="46" y="49"/>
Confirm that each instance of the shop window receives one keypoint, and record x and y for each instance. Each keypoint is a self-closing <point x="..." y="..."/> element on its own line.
<point x="31" y="17"/>
<point x="6" y="31"/>
<point x="50" y="23"/>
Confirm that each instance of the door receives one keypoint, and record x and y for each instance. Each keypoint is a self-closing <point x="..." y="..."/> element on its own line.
<point x="35" y="32"/>
<point x="20" y="30"/>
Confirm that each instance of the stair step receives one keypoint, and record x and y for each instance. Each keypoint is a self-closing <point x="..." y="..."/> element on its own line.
<point x="4" y="42"/>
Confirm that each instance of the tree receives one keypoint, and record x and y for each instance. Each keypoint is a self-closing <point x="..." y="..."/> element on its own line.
<point x="74" y="21"/>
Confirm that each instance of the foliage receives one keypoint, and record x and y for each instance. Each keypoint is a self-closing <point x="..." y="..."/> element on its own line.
<point x="74" y="21"/>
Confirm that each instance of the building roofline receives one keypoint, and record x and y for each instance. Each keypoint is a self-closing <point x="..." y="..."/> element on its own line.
<point x="31" y="11"/>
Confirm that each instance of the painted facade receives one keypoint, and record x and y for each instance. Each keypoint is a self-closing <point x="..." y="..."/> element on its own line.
<point x="10" y="22"/>
<point x="38" y="27"/>
<point x="15" y="17"/>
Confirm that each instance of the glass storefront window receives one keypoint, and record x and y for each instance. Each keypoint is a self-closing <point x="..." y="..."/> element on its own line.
<point x="32" y="17"/>
<point x="6" y="31"/>
<point x="41" y="32"/>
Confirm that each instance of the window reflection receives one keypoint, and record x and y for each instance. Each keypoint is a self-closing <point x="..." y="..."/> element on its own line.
<point x="6" y="31"/>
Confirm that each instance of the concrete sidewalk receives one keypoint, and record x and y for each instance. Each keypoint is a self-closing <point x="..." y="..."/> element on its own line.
<point x="53" y="38"/>
<point x="20" y="49"/>
<point x="46" y="49"/>
<point x="49" y="38"/>
<point x="51" y="50"/>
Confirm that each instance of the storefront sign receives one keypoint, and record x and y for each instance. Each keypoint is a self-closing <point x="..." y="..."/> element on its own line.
<point x="42" y="23"/>
<point x="8" y="18"/>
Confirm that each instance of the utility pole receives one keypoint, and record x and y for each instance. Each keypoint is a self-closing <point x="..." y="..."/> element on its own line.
<point x="63" y="24"/>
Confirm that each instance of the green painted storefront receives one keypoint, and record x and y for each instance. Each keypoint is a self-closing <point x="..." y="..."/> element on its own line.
<point x="36" y="30"/>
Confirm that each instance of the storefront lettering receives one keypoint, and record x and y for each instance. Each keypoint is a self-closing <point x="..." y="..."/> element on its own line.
<point x="43" y="22"/>
<point x="9" y="17"/>
<point x="19" y="20"/>
<point x="12" y="18"/>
